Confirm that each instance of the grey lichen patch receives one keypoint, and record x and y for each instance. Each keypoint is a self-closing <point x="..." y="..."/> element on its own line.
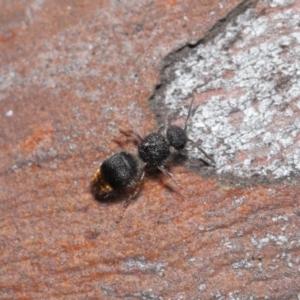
<point x="260" y="243"/>
<point x="245" y="80"/>
<point x="144" y="266"/>
<point x="274" y="3"/>
<point x="147" y="295"/>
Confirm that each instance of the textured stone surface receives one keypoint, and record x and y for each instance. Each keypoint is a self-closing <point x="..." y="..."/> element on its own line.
<point x="73" y="73"/>
<point x="246" y="78"/>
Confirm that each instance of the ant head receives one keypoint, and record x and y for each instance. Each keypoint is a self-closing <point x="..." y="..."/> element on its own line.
<point x="176" y="137"/>
<point x="154" y="149"/>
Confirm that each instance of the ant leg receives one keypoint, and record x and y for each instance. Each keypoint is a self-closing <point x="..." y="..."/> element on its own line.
<point x="168" y="174"/>
<point x="161" y="128"/>
<point x="133" y="137"/>
<point x="132" y="196"/>
<point x="136" y="191"/>
<point x="207" y="155"/>
<point x="130" y="132"/>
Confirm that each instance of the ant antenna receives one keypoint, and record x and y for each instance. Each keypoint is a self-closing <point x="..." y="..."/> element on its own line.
<point x="185" y="127"/>
<point x="200" y="149"/>
<point x="189" y="113"/>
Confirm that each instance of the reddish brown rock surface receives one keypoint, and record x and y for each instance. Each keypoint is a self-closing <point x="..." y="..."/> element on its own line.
<point x="73" y="73"/>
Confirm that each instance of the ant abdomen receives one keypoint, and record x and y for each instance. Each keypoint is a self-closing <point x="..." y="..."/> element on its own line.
<point x="119" y="173"/>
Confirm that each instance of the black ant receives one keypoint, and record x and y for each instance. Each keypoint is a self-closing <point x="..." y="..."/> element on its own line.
<point x="123" y="172"/>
